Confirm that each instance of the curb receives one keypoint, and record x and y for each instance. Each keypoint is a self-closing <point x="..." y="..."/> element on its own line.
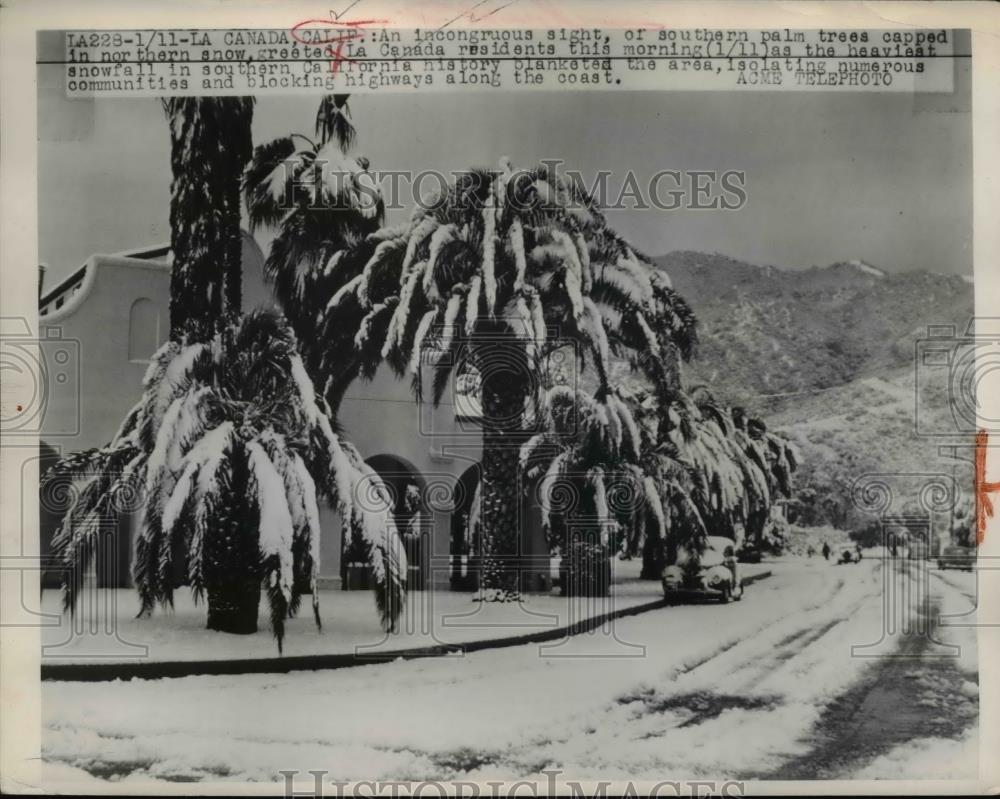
<point x="755" y="578"/>
<point x="145" y="670"/>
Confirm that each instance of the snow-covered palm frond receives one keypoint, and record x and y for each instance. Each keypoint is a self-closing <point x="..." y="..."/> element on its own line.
<point x="422" y="330"/>
<point x="731" y="468"/>
<point x="98" y="483"/>
<point x="333" y="121"/>
<point x="241" y="404"/>
<point x="592" y="441"/>
<point x="338" y="182"/>
<point x="525" y="248"/>
<point x="366" y="510"/>
<point x="322" y="203"/>
<point x="362" y="500"/>
<point x="274" y="534"/>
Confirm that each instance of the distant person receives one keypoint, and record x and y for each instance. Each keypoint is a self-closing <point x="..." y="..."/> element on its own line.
<point x="826" y="551"/>
<point x="810" y="550"/>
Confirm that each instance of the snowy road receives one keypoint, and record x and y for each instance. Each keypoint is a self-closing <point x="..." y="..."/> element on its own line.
<point x="767" y="687"/>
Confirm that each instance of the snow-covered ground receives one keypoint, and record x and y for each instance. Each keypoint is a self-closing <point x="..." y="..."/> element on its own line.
<point x="927" y="759"/>
<point x="681" y="692"/>
<point x="105" y="628"/>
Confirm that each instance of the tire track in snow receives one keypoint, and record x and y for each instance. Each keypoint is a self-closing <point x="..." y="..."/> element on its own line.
<point x="727" y="682"/>
<point x="911" y="695"/>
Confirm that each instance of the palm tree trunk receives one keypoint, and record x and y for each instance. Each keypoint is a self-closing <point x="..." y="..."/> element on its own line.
<point x="210" y="143"/>
<point x="196" y="240"/>
<point x="654" y="554"/>
<point x="233" y="263"/>
<point x="232" y="563"/>
<point x="755" y="526"/>
<point x="233" y="607"/>
<point x="237" y="142"/>
<point x="653" y="559"/>
<point x="504" y="391"/>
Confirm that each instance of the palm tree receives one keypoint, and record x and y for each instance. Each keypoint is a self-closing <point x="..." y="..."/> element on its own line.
<point x="718" y="471"/>
<point x="505" y="268"/>
<point x="776" y="457"/>
<point x="233" y="450"/>
<point x="229" y="441"/>
<point x="320" y="201"/>
<point x="673" y="489"/>
<point x="210" y="143"/>
<point x="588" y="456"/>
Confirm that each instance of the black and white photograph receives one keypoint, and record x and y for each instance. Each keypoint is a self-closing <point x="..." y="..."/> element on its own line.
<point x="598" y="438"/>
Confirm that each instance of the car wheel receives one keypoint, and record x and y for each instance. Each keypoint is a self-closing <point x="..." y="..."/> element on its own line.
<point x="727" y="595"/>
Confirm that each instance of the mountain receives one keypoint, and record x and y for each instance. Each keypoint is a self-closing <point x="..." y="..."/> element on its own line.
<point x="766" y="331"/>
<point x="827" y="356"/>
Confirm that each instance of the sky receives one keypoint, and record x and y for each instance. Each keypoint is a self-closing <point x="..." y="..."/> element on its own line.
<point x="828" y="178"/>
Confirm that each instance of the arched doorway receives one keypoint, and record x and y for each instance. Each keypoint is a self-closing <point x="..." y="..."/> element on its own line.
<point x="464" y="537"/>
<point x="414" y="522"/>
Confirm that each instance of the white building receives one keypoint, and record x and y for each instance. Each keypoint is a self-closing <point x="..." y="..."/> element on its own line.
<point x="114" y="313"/>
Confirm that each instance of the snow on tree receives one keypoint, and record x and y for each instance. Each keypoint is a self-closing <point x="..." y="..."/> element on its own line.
<point x="505" y="267"/>
<point x="235" y="463"/>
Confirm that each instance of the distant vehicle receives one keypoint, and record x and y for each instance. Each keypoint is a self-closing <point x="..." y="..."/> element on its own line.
<point x="957" y="558"/>
<point x="714" y="572"/>
<point x="749" y="554"/>
<point x="849" y="556"/>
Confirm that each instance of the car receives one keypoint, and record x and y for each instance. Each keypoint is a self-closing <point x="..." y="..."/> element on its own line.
<point x="957" y="558"/>
<point x="713" y="572"/>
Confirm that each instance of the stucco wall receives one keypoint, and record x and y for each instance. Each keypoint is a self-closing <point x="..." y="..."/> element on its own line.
<point x="94" y="321"/>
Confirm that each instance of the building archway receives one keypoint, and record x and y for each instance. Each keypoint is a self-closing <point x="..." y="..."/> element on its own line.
<point x="464" y="547"/>
<point x="414" y="522"/>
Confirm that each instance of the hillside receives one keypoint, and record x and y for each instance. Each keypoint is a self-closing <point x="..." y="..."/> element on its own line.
<point x="826" y="355"/>
<point x="767" y="331"/>
<point x="861" y="428"/>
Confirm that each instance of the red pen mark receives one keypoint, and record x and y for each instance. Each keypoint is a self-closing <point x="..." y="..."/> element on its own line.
<point x="984" y="506"/>
<point x="475" y="16"/>
<point x="334" y="33"/>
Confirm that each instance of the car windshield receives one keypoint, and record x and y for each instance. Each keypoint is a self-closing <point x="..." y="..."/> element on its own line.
<point x="717" y="549"/>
